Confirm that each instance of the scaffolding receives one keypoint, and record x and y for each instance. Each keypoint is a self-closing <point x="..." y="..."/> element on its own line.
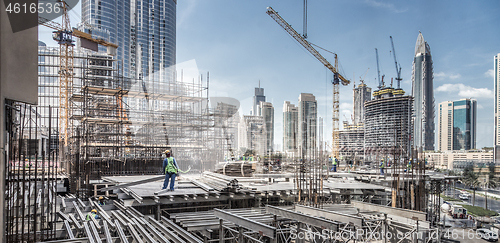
<point x="352" y="143"/>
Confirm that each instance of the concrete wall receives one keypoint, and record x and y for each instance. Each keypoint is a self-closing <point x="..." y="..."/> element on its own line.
<point x="18" y="79"/>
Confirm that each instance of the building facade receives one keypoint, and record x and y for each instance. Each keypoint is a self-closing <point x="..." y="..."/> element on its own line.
<point x="362" y="94"/>
<point x="290" y="128"/>
<point x="423" y="94"/>
<point x="496" y="82"/>
<point x="458" y="160"/>
<point x="388" y="126"/>
<point x="145" y="32"/>
<point x="257" y="98"/>
<point x="457" y="125"/>
<point x="267" y="113"/>
<point x="307" y="124"/>
<point x="253" y="135"/>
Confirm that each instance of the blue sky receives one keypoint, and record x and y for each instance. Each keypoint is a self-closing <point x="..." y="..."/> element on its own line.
<point x="239" y="44"/>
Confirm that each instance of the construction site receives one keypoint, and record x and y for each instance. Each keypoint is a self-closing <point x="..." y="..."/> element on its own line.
<point x="98" y="134"/>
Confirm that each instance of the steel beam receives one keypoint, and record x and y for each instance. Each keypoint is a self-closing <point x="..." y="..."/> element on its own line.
<point x="68" y="229"/>
<point x="106" y="232"/>
<point x="303" y="218"/>
<point x="156" y="178"/>
<point x="406" y="213"/>
<point x="134" y="233"/>
<point x="180" y="231"/>
<point x="264" y="229"/>
<point x="88" y="233"/>
<point x="96" y="234"/>
<point x="121" y="234"/>
<point x="144" y="232"/>
<point x="334" y="216"/>
<point x="158" y="225"/>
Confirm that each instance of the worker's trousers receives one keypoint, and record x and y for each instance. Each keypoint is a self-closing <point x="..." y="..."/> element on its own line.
<point x="172" y="181"/>
<point x="334" y="168"/>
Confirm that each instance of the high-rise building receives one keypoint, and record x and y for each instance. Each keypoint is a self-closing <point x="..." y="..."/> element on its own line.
<point x="145" y="32"/>
<point x="496" y="81"/>
<point x="320" y="134"/>
<point x="252" y="135"/>
<point x="258" y="97"/>
<point x="457" y="125"/>
<point x="290" y="128"/>
<point x="267" y="113"/>
<point x="308" y="115"/>
<point x="362" y="94"/>
<point x="388" y="125"/>
<point x="423" y="94"/>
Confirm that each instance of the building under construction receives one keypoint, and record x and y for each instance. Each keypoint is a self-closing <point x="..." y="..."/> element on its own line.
<point x="388" y="125"/>
<point x="122" y="126"/>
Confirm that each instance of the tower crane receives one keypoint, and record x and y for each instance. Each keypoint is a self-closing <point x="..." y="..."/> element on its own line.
<point x="398" y="71"/>
<point x="362" y="80"/>
<point x="337" y="77"/>
<point x="380" y="82"/>
<point x="63" y="34"/>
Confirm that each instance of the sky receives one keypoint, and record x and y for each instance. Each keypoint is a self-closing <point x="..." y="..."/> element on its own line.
<point x="239" y="44"/>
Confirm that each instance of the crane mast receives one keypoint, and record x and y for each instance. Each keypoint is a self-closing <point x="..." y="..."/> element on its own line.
<point x="398" y="71"/>
<point x="337" y="77"/>
<point x="63" y="34"/>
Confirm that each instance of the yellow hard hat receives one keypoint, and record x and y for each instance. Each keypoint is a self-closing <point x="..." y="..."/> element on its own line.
<point x="166" y="151"/>
<point x="93" y="211"/>
<point x="101" y="197"/>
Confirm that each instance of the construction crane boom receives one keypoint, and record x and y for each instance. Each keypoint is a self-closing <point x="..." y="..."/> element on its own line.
<point x="288" y="28"/>
<point x="398" y="71"/>
<point x="380" y="82"/>
<point x="337" y="77"/>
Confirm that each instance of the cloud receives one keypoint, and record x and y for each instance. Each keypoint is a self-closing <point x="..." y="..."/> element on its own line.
<point x="442" y="75"/>
<point x="490" y="73"/>
<point x="466" y="91"/>
<point x="184" y="13"/>
<point x="388" y="6"/>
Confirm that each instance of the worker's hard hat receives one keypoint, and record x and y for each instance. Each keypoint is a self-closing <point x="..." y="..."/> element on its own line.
<point x="382" y="160"/>
<point x="101" y="197"/>
<point x="93" y="211"/>
<point x="166" y="152"/>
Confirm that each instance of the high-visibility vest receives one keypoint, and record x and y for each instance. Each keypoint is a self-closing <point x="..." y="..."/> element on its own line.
<point x="170" y="166"/>
<point x="335" y="161"/>
<point x="382" y="165"/>
<point x="90" y="215"/>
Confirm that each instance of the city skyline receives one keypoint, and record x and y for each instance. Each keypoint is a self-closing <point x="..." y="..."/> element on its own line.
<point x="242" y="45"/>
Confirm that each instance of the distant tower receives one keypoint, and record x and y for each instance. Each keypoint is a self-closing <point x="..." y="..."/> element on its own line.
<point x="267" y="113"/>
<point x="362" y="94"/>
<point x="422" y="92"/>
<point x="290" y="128"/>
<point x="259" y="96"/>
<point x="308" y="115"/>
<point x="496" y="80"/>
<point x="457" y="125"/>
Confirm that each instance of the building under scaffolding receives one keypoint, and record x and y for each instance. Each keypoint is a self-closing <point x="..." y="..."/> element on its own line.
<point x="388" y="125"/>
<point x="352" y="142"/>
<point x="122" y="126"/>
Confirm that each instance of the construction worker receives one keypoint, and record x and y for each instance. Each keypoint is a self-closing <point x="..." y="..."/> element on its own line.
<point x="170" y="169"/>
<point x="101" y="201"/>
<point x="92" y="214"/>
<point x="335" y="161"/>
<point x="409" y="165"/>
<point x="382" y="165"/>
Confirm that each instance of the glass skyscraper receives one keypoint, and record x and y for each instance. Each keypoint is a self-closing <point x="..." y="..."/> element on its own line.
<point x="145" y="31"/>
<point x="307" y="123"/>
<point x="290" y="128"/>
<point x="457" y="125"/>
<point x="423" y="94"/>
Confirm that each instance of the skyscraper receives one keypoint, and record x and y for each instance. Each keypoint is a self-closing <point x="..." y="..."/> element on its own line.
<point x="308" y="115"/>
<point x="496" y="81"/>
<point x="145" y="32"/>
<point x="457" y="125"/>
<point x="267" y="113"/>
<point x="362" y="94"/>
<point x="290" y="128"/>
<point x="423" y="94"/>
<point x="258" y="97"/>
